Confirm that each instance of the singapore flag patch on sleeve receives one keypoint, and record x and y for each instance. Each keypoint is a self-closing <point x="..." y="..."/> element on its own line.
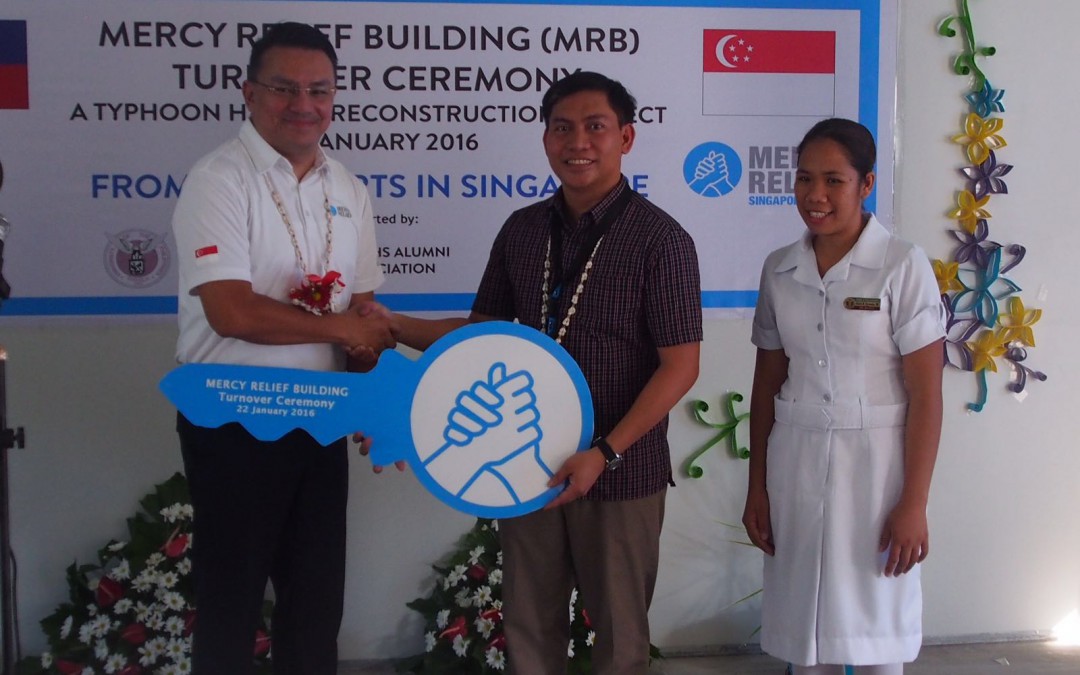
<point x="206" y="255"/>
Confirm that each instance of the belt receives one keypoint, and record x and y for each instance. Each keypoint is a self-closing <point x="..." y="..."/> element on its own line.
<point x="860" y="416"/>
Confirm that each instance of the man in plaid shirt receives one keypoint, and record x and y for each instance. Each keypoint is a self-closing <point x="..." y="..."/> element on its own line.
<point x="614" y="280"/>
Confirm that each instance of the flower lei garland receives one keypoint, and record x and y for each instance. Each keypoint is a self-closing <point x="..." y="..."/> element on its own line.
<point x="463" y="631"/>
<point x="133" y="612"/>
<point x="973" y="283"/>
<point x="316" y="294"/>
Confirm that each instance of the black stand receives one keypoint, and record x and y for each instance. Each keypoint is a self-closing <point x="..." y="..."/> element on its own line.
<point x="9" y="438"/>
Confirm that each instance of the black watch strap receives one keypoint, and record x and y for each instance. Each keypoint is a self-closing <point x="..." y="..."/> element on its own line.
<point x="611" y="458"/>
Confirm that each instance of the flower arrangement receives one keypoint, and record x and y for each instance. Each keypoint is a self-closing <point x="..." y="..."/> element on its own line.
<point x="133" y="612"/>
<point x="316" y="294"/>
<point x="463" y="614"/>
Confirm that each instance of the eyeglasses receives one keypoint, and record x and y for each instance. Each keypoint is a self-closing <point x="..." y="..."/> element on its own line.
<point x="318" y="93"/>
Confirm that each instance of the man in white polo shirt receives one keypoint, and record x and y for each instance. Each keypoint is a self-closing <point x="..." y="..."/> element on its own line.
<point x="278" y="267"/>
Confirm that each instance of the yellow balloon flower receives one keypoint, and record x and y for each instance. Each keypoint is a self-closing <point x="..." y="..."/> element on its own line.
<point x="985" y="348"/>
<point x="947" y="280"/>
<point x="1018" y="320"/>
<point x="980" y="137"/>
<point x="970" y="210"/>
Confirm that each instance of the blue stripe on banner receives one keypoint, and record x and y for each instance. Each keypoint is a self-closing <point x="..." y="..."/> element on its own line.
<point x="159" y="304"/>
<point x="12" y="43"/>
<point x="399" y="302"/>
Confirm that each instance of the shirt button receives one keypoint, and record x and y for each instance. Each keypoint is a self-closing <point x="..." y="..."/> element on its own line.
<point x="821" y="362"/>
<point x="821" y="293"/>
<point x="826" y="398"/>
<point x="820" y="327"/>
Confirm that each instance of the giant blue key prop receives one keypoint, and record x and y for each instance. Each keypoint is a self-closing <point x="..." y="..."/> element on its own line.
<point x="484" y="418"/>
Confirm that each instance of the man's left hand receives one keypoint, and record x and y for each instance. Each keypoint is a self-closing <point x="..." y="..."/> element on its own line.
<point x="581" y="470"/>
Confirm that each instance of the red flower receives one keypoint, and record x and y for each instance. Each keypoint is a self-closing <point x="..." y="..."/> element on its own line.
<point x="189" y="622"/>
<point x="455" y="629"/>
<point x="585" y="615"/>
<point x="108" y="592"/>
<point x="477" y="572"/>
<point x="315" y="292"/>
<point x="492" y="615"/>
<point x="262" y="643"/>
<point x="498" y="642"/>
<point x="131" y="669"/>
<point x="176" y="545"/>
<point x="68" y="667"/>
<point x="134" y="633"/>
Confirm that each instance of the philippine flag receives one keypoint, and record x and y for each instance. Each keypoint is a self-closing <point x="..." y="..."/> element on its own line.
<point x="769" y="72"/>
<point x="14" y="80"/>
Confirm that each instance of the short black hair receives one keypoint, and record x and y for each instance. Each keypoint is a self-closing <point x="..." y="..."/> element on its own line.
<point x="289" y="34"/>
<point x="854" y="138"/>
<point x="621" y="101"/>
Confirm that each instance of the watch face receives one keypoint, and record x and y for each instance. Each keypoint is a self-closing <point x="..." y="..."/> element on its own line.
<point x="614" y="463"/>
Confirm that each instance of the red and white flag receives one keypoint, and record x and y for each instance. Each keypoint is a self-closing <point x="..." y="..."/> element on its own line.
<point x="768" y="72"/>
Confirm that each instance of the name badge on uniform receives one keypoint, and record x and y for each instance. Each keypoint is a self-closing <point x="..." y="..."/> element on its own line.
<point x="864" y="304"/>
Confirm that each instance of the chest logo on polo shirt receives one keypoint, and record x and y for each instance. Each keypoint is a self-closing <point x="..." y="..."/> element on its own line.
<point x="137" y="258"/>
<point x="342" y="211"/>
<point x="864" y="304"/>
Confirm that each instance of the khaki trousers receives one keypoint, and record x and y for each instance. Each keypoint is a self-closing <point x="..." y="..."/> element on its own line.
<point x="611" y="551"/>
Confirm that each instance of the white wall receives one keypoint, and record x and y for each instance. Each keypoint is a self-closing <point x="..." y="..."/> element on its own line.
<point x="1005" y="545"/>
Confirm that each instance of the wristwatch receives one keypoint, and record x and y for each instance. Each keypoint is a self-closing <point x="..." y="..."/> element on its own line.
<point x="611" y="458"/>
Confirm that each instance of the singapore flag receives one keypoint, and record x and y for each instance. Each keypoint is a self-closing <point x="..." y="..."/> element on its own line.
<point x="769" y="72"/>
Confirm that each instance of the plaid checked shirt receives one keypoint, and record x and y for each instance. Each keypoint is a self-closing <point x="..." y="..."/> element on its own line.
<point x="643" y="292"/>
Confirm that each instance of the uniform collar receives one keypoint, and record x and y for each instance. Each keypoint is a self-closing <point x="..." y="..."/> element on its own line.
<point x="868" y="252"/>
<point x="264" y="157"/>
<point x="558" y="203"/>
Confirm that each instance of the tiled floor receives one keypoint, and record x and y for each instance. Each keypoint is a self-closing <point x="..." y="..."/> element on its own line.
<point x="1007" y="658"/>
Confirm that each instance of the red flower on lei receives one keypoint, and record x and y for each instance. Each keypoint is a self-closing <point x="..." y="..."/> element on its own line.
<point x="316" y="293"/>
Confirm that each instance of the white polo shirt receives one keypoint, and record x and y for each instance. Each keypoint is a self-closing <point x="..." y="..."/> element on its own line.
<point x="227" y="227"/>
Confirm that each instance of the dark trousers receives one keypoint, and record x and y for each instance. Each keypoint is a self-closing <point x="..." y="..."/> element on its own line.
<point x="266" y="510"/>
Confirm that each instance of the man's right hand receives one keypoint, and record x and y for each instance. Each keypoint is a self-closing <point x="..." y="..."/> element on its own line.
<point x="367" y="334"/>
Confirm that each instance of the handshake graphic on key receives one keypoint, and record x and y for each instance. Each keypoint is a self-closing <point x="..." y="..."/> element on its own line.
<point x="492" y="430"/>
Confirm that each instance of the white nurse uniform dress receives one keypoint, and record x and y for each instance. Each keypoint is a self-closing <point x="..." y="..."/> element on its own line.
<point x="835" y="454"/>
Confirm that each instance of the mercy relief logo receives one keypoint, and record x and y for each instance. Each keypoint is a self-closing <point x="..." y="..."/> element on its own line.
<point x="14" y="75"/>
<point x="136" y="258"/>
<point x="712" y="169"/>
<point x="789" y="73"/>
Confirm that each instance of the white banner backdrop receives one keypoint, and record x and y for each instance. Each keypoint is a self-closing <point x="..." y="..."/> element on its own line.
<point x="438" y="113"/>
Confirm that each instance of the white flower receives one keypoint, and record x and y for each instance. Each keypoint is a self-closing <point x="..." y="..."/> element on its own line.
<point x="495" y="658"/>
<point x="174" y="625"/>
<point x="482" y="596"/>
<point x="122" y="606"/>
<point x="429" y="641"/>
<point x="142" y="612"/>
<point x="174" y="601"/>
<point x="100" y="626"/>
<point x="497" y="605"/>
<point x="87" y="671"/>
<point x="484" y="626"/>
<point x="101" y="650"/>
<point x="498" y="558"/>
<point x="117" y="546"/>
<point x="121" y="571"/>
<point x="442" y="618"/>
<point x="570" y="648"/>
<point x="463" y="598"/>
<point x="144" y="581"/>
<point x="461" y="645"/>
<point x="455" y="576"/>
<point x="65" y="628"/>
<point x="183" y="567"/>
<point x="495" y="525"/>
<point x="176" y="648"/>
<point x="86" y="632"/>
<point x="590" y="638"/>
<point x="183" y="665"/>
<point x="155" y="621"/>
<point x="154" y="559"/>
<point x="495" y="577"/>
<point x="474" y="555"/>
<point x="168" y="579"/>
<point x="46" y="659"/>
<point x="573" y="599"/>
<point x="115" y="663"/>
<point x="169" y="669"/>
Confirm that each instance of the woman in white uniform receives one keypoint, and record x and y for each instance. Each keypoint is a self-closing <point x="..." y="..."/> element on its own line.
<point x="845" y="420"/>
